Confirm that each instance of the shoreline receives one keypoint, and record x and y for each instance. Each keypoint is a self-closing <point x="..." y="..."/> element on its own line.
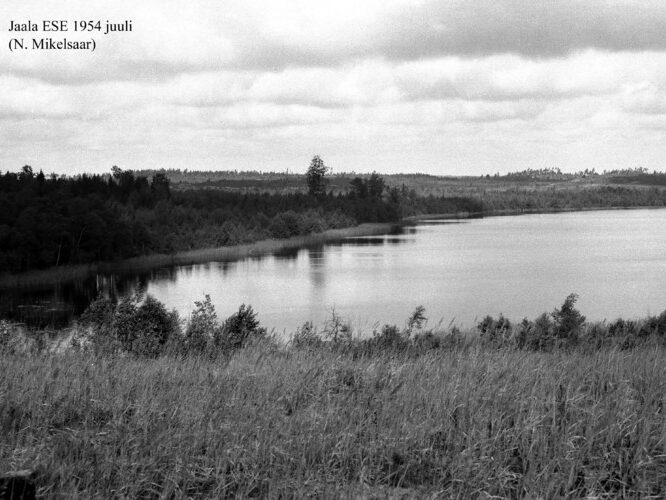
<point x="524" y="211"/>
<point x="54" y="276"/>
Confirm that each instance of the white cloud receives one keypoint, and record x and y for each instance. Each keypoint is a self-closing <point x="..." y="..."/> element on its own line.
<point x="485" y="85"/>
<point x="646" y="97"/>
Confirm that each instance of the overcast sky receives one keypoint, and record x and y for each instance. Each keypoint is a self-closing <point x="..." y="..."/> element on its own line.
<point x="442" y="87"/>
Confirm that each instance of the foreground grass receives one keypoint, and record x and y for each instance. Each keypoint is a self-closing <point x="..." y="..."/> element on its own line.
<point x="467" y="422"/>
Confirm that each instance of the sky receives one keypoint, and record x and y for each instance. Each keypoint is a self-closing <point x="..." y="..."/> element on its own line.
<point x="432" y="86"/>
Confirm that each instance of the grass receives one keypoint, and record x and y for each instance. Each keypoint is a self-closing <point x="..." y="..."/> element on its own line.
<point x="467" y="422"/>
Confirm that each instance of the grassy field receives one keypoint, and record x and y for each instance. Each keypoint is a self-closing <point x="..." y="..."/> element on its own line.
<point x="467" y="422"/>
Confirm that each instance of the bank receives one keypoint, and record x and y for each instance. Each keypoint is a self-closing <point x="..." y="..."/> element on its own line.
<point x="61" y="274"/>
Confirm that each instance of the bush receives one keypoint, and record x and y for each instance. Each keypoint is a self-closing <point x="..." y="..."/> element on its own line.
<point x="538" y="335"/>
<point x="389" y="337"/>
<point x="311" y="222"/>
<point x="124" y="321"/>
<point x="416" y="320"/>
<point x="99" y="313"/>
<point x="559" y="329"/>
<point x="654" y="325"/>
<point x="238" y="329"/>
<point x="523" y="333"/>
<point x="306" y="337"/>
<point x="285" y="225"/>
<point x="495" y="331"/>
<point x="454" y="339"/>
<point x="154" y="326"/>
<point x="202" y="327"/>
<point x="337" y="330"/>
<point x="427" y="340"/>
<point x="621" y="327"/>
<point x="568" y="320"/>
<point x="132" y="325"/>
<point x="598" y="336"/>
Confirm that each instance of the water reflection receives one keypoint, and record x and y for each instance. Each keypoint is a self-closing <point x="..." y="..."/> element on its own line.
<point x="458" y="269"/>
<point x="444" y="221"/>
<point x="290" y="253"/>
<point x="317" y="267"/>
<point x="372" y="241"/>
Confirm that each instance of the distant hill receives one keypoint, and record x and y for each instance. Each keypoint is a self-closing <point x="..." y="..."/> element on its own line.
<point x="422" y="184"/>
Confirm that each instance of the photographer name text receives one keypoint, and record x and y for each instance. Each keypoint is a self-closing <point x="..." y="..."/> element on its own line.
<point x="55" y="33"/>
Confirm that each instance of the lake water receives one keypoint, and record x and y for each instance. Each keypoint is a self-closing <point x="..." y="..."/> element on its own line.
<point x="459" y="270"/>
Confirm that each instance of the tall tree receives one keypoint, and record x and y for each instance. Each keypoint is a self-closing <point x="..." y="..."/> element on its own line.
<point x="160" y="187"/>
<point x="315" y="177"/>
<point x="375" y="186"/>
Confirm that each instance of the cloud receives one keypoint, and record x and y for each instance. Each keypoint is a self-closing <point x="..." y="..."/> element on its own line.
<point x="644" y="98"/>
<point x="171" y="38"/>
<point x="167" y="38"/>
<point x="380" y="82"/>
<point x="292" y="33"/>
<point x="528" y="28"/>
<point x="487" y="84"/>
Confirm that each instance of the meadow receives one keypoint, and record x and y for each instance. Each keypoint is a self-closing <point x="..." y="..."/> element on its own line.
<point x="544" y="409"/>
<point x="465" y="423"/>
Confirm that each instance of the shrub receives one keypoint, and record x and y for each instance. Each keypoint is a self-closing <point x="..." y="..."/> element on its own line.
<point x="523" y="333"/>
<point x="452" y="340"/>
<point x="597" y="335"/>
<point x="495" y="331"/>
<point x="154" y="327"/>
<point x="389" y="337"/>
<point x="416" y="320"/>
<point x="99" y="313"/>
<point x="202" y="327"/>
<point x="337" y="330"/>
<point x="285" y="224"/>
<point x="311" y="222"/>
<point x="621" y="327"/>
<point x="124" y="321"/>
<point x="238" y="329"/>
<point x="654" y="325"/>
<point x="568" y="320"/>
<point x="132" y="325"/>
<point x="538" y="335"/>
<point x="306" y="336"/>
<point x="427" y="340"/>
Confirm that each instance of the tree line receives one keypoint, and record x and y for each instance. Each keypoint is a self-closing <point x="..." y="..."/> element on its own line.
<point x="48" y="221"/>
<point x="60" y="220"/>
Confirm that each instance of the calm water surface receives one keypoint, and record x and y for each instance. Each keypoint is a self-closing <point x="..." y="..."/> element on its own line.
<point x="519" y="266"/>
<point x="460" y="271"/>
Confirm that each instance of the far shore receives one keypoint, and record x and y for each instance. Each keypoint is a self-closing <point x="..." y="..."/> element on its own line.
<point x="63" y="274"/>
<point x="51" y="276"/>
<point x="519" y="211"/>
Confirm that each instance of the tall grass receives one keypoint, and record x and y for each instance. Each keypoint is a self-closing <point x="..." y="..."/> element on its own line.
<point x="467" y="422"/>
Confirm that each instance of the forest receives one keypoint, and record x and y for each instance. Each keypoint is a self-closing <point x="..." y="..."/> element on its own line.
<point x="57" y="220"/>
<point x="60" y="220"/>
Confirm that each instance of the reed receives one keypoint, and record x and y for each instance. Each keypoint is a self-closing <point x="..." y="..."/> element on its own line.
<point x="466" y="422"/>
<point x="49" y="277"/>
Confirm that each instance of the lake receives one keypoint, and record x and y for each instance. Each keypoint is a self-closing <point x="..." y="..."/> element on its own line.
<point x="460" y="270"/>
